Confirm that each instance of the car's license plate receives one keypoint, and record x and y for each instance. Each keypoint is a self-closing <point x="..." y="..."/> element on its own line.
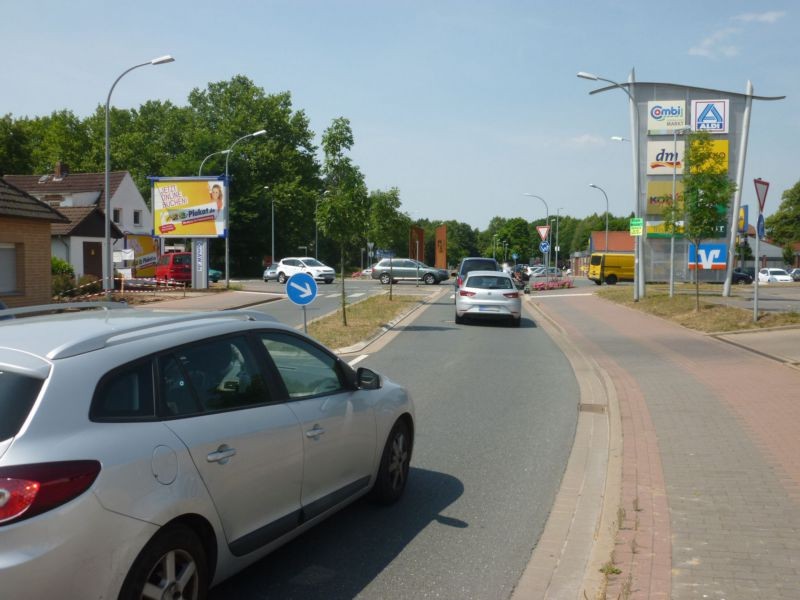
<point x="487" y="308"/>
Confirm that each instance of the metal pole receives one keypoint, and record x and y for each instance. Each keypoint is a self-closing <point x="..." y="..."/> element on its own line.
<point x="737" y="196"/>
<point x="672" y="216"/>
<point x="227" y="204"/>
<point x="200" y="170"/>
<point x="272" y="224"/>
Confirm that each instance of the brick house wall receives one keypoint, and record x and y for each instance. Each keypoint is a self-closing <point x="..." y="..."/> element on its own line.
<point x="32" y="240"/>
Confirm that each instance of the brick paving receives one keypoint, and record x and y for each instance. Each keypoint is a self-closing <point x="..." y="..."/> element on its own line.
<point x="711" y="457"/>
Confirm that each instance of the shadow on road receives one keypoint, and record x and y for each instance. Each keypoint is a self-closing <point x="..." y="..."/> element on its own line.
<point x="341" y="556"/>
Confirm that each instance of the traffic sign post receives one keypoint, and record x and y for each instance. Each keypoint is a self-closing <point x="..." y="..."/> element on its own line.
<point x="544" y="247"/>
<point x="302" y="290"/>
<point x="543" y="231"/>
<point x="761" y="193"/>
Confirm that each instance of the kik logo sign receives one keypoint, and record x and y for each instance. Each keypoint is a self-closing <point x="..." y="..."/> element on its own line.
<point x="708" y="257"/>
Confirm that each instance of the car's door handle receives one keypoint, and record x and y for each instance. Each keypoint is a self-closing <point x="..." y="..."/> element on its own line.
<point x="315" y="433"/>
<point x="222" y="454"/>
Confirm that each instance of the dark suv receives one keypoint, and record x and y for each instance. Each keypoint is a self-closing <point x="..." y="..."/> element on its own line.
<point x="740" y="276"/>
<point x="474" y="263"/>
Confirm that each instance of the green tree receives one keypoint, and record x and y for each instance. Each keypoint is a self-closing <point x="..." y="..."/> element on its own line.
<point x="344" y="210"/>
<point x="707" y="191"/>
<point x="783" y="226"/>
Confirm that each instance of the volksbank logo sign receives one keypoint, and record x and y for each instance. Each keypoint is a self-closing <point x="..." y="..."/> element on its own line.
<point x="710" y="116"/>
<point x="666" y="116"/>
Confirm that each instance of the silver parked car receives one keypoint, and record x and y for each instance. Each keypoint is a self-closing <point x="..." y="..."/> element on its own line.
<point x="153" y="454"/>
<point x="407" y="269"/>
<point x="271" y="273"/>
<point x="488" y="295"/>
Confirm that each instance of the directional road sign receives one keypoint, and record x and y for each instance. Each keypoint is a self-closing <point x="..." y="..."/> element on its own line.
<point x="544" y="247"/>
<point x="761" y="191"/>
<point x="301" y="288"/>
<point x="760" y="229"/>
<point x="543" y="231"/>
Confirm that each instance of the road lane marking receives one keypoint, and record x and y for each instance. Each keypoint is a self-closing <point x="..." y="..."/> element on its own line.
<point x="357" y="360"/>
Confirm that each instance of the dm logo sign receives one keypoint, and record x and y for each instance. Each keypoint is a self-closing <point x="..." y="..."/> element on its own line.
<point x="710" y="116"/>
<point x="710" y="256"/>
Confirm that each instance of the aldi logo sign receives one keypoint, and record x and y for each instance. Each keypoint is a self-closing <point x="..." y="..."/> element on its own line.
<point x="710" y="115"/>
<point x="708" y="257"/>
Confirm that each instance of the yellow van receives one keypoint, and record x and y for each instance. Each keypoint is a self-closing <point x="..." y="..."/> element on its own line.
<point x="610" y="267"/>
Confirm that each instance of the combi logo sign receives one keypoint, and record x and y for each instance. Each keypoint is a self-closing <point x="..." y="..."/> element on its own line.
<point x="666" y="116"/>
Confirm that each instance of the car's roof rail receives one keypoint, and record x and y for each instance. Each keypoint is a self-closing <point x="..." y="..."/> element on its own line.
<point x="139" y="330"/>
<point x="61" y="307"/>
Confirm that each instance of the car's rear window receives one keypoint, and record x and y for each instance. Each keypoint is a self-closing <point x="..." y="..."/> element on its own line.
<point x="489" y="282"/>
<point x="17" y="395"/>
<point x="480" y="265"/>
<point x="596" y="260"/>
<point x="182" y="259"/>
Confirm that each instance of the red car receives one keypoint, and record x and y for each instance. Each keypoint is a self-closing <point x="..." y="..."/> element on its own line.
<point x="175" y="266"/>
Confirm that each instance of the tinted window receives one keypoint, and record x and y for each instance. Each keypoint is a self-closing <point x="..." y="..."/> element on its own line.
<point x="596" y="260"/>
<point x="305" y="369"/>
<point x="125" y="394"/>
<point x="479" y="265"/>
<point x="489" y="282"/>
<point x="215" y="375"/>
<point x="182" y="259"/>
<point x="17" y="395"/>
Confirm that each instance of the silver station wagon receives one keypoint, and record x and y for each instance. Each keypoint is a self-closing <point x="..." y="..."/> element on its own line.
<point x="152" y="454"/>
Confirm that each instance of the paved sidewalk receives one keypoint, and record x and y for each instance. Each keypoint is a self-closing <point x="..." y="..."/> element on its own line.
<point x="710" y="504"/>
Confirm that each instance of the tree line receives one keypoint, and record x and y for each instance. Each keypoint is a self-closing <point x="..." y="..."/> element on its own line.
<point x="314" y="197"/>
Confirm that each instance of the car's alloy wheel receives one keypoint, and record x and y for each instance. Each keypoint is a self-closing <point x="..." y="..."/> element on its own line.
<point x="281" y="278"/>
<point x="385" y="278"/>
<point x="172" y="565"/>
<point x="429" y="279"/>
<point x="394" y="467"/>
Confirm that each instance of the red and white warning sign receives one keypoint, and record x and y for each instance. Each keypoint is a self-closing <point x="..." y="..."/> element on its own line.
<point x="543" y="231"/>
<point x="761" y="191"/>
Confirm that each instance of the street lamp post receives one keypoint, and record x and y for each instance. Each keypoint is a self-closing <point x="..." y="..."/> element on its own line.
<point x="108" y="271"/>
<point x="272" y="227"/>
<point x="547" y="221"/>
<point x="494" y="246"/>
<point x="227" y="204"/>
<point x="675" y="133"/>
<point x="200" y="170"/>
<point x="638" y="272"/>
<point x="558" y="216"/>
<point x="597" y="187"/>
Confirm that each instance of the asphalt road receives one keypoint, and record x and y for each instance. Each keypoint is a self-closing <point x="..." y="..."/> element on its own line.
<point x="496" y="416"/>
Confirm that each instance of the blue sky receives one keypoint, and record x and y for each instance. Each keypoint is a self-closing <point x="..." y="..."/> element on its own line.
<point x="462" y="105"/>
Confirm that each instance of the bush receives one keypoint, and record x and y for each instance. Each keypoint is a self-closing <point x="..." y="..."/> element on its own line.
<point x="59" y="266"/>
<point x="89" y="284"/>
<point x="63" y="284"/>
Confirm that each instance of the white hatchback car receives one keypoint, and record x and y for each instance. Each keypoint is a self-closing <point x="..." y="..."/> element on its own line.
<point x="488" y="295"/>
<point x="152" y="454"/>
<point x="304" y="264"/>
<point x="774" y="276"/>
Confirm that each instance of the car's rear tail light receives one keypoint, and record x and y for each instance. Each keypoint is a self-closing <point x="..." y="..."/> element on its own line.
<point x="459" y="281"/>
<point x="465" y="293"/>
<point x="29" y="490"/>
<point x="512" y="295"/>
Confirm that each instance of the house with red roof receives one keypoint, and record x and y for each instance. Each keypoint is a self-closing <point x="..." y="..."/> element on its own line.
<point x="80" y="197"/>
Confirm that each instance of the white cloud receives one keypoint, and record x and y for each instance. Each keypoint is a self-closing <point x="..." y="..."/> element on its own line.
<point x="587" y="140"/>
<point x="716" y="45"/>
<point x="772" y="16"/>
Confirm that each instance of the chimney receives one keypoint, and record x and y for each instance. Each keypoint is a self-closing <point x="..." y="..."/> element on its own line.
<point x="61" y="171"/>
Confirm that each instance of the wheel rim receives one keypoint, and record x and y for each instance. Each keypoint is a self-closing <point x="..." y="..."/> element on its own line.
<point x="384" y="279"/>
<point x="429" y="279"/>
<point x="173" y="577"/>
<point x="398" y="462"/>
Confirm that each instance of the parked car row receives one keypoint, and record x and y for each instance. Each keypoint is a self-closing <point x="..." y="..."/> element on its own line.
<point x="158" y="453"/>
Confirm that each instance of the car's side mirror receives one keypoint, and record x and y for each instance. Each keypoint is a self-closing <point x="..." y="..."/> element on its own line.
<point x="367" y="379"/>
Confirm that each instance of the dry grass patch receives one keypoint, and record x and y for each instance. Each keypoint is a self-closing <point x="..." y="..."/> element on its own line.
<point x="712" y="317"/>
<point x="364" y="319"/>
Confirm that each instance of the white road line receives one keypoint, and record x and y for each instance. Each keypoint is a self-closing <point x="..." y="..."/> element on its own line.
<point x="332" y="296"/>
<point x="357" y="295"/>
<point x="357" y="360"/>
<point x="558" y="296"/>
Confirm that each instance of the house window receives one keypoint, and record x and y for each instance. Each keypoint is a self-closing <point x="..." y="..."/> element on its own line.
<point x="137" y="218"/>
<point x="116" y="215"/>
<point x="8" y="268"/>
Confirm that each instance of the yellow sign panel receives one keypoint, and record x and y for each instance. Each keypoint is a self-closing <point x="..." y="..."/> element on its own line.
<point x="720" y="150"/>
<point x="659" y="196"/>
<point x="145" y="254"/>
<point x="659" y="229"/>
<point x="189" y="207"/>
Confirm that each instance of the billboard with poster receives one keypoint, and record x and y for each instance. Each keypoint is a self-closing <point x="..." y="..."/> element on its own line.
<point x="186" y="207"/>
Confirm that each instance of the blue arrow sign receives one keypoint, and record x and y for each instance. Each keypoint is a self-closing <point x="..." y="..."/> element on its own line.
<point x="301" y="288"/>
<point x="544" y="247"/>
<point x="760" y="229"/>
